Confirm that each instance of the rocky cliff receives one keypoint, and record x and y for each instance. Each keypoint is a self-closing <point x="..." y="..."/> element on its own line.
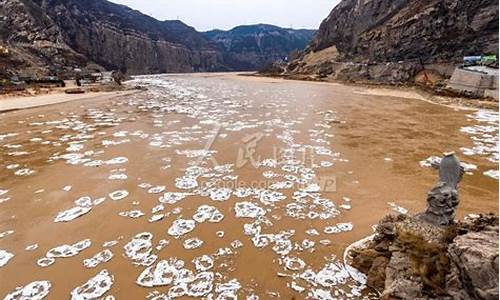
<point x="385" y="40"/>
<point x="412" y="259"/>
<point x="63" y="32"/>
<point x="59" y="34"/>
<point x="250" y="47"/>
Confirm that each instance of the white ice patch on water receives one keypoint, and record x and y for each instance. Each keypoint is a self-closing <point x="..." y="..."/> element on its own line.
<point x="186" y="183"/>
<point x="140" y="248"/>
<point x="192" y="243"/>
<point x="269" y="197"/>
<point x="181" y="226"/>
<point x="31" y="247"/>
<point x="5" y="257"/>
<point x="101" y="257"/>
<point x="221" y="194"/>
<point x="172" y="198"/>
<point x="397" y="208"/>
<point x="118" y="195"/>
<point x="495" y="174"/>
<point x="228" y="290"/>
<point x="63" y="251"/>
<point x="248" y="210"/>
<point x="6" y="233"/>
<point x="243" y="192"/>
<point x="156" y="189"/>
<point x="94" y="288"/>
<point x="484" y="135"/>
<point x="163" y="273"/>
<point x="339" y="228"/>
<point x="294" y="263"/>
<point x="155" y="218"/>
<point x="71" y="214"/>
<point x="35" y="290"/>
<point x="133" y="214"/>
<point x="116" y="161"/>
<point x="203" y="263"/>
<point x="208" y="213"/>
<point x="118" y="176"/>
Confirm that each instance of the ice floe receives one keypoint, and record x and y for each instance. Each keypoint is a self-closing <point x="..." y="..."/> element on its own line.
<point x="5" y="257"/>
<point x="181" y="226"/>
<point x="139" y="249"/>
<point x="35" y="290"/>
<point x="118" y="195"/>
<point x="101" y="257"/>
<point x="94" y="288"/>
<point x="248" y="210"/>
<point x="192" y="243"/>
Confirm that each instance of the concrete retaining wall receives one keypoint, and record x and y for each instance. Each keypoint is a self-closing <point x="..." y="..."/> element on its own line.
<point x="474" y="82"/>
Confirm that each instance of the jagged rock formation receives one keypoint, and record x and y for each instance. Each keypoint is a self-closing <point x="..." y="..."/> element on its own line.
<point x="442" y="200"/>
<point x="384" y="40"/>
<point x="64" y="32"/>
<point x="44" y="34"/>
<point x="430" y="256"/>
<point x="250" y="47"/>
<point x="412" y="259"/>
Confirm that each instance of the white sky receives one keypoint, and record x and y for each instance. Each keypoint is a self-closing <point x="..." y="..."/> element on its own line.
<point x="226" y="14"/>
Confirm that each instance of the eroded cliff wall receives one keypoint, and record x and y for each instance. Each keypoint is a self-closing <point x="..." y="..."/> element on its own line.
<point x="386" y="39"/>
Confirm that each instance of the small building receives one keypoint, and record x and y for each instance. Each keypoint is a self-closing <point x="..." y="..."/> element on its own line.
<point x="96" y="78"/>
<point x="477" y="81"/>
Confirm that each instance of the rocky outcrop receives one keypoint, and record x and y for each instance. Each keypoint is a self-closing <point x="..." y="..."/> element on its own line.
<point x="388" y="41"/>
<point x="413" y="259"/>
<point x="62" y="34"/>
<point x="55" y="33"/>
<point x="251" y="47"/>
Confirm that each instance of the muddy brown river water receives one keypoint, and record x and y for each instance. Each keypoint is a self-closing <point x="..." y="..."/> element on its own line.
<point x="220" y="186"/>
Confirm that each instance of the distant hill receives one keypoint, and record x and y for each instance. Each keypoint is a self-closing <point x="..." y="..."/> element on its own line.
<point x="43" y="35"/>
<point x="249" y="47"/>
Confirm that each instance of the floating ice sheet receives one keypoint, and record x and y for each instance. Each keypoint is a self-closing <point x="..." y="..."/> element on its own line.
<point x="208" y="213"/>
<point x="94" y="288"/>
<point x="35" y="290"/>
<point x="5" y="257"/>
<point x="101" y="257"/>
<point x="118" y="195"/>
<point x="140" y="248"/>
<point x="181" y="226"/>
<point x="71" y="214"/>
<point x="248" y="210"/>
<point x="192" y="243"/>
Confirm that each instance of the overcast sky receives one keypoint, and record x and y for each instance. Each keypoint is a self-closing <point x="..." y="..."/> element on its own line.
<point x="226" y="14"/>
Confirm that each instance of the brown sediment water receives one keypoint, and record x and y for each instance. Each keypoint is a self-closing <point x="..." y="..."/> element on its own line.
<point x="315" y="157"/>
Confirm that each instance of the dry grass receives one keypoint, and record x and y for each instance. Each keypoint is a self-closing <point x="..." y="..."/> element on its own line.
<point x="322" y="56"/>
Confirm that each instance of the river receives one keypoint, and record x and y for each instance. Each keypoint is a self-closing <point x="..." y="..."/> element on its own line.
<point x="218" y="185"/>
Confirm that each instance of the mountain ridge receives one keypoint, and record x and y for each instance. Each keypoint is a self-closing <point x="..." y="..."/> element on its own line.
<point x="256" y="45"/>
<point x="64" y="34"/>
<point x="391" y="41"/>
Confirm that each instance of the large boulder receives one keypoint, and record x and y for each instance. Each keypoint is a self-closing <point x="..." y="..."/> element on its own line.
<point x="409" y="258"/>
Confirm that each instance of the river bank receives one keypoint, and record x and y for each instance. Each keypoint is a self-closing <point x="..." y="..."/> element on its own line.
<point x="418" y="92"/>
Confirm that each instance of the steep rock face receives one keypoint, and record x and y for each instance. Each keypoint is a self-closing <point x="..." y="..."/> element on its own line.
<point x="54" y="34"/>
<point x="33" y="39"/>
<point x="59" y="33"/>
<point x="368" y="33"/>
<point x="119" y="37"/>
<point x="250" y="47"/>
<point x="413" y="259"/>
